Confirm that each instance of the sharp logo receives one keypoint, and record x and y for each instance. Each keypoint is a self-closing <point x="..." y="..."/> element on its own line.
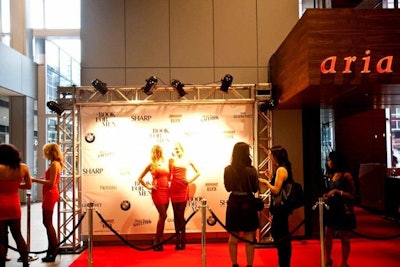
<point x="92" y="171"/>
<point x="141" y="117"/>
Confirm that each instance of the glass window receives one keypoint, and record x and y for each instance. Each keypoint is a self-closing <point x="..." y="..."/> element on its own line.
<point x="5" y="22"/>
<point x="51" y="14"/>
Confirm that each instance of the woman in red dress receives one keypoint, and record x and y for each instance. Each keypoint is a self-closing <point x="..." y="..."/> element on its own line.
<point x="13" y="176"/>
<point x="180" y="192"/>
<point x="159" y="187"/>
<point x="51" y="195"/>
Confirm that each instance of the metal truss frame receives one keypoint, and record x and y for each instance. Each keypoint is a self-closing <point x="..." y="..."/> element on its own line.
<point x="68" y="131"/>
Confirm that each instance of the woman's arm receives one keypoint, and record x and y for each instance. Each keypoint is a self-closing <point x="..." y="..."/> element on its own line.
<point x="196" y="175"/>
<point x="142" y="175"/>
<point x="281" y="176"/>
<point x="26" y="177"/>
<point x="54" y="170"/>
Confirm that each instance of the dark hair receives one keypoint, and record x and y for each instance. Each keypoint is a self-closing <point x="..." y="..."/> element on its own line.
<point x="282" y="158"/>
<point x="338" y="162"/>
<point x="241" y="155"/>
<point x="280" y="155"/>
<point x="10" y="156"/>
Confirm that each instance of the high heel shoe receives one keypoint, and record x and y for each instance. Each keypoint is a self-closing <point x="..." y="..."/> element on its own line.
<point x="157" y="246"/>
<point x="49" y="258"/>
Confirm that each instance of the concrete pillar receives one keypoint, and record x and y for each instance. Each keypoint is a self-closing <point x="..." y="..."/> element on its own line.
<point x="22" y="125"/>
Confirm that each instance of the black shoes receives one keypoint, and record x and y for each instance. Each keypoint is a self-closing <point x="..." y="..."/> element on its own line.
<point x="49" y="258"/>
<point x="179" y="246"/>
<point x="157" y="246"/>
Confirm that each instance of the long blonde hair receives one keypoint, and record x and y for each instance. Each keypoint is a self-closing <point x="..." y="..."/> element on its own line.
<point x="52" y="152"/>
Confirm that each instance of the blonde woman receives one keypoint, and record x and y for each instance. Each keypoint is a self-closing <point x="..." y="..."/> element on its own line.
<point x="159" y="187"/>
<point x="51" y="195"/>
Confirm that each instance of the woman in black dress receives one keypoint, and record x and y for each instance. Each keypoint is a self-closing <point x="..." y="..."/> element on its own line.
<point x="241" y="180"/>
<point x="340" y="199"/>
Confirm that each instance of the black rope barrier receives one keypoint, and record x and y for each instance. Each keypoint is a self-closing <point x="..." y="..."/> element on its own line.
<point x="61" y="242"/>
<point x="146" y="248"/>
<point x="255" y="242"/>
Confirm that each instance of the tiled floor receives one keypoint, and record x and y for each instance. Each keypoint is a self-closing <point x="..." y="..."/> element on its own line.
<point x="38" y="241"/>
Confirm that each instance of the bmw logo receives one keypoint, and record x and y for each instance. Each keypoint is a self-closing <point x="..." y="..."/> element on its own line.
<point x="125" y="205"/>
<point x="90" y="137"/>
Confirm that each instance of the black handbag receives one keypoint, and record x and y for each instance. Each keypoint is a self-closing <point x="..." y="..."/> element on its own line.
<point x="259" y="203"/>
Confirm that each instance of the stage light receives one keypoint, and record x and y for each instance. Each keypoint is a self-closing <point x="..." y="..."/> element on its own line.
<point x="267" y="105"/>
<point x="178" y="87"/>
<point x="100" y="86"/>
<point x="55" y="107"/>
<point x="150" y="86"/>
<point x="226" y="82"/>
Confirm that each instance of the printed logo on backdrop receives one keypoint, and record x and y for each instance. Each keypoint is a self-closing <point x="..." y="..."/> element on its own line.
<point x="125" y="171"/>
<point x="211" y="186"/>
<point x="106" y="119"/>
<point x="92" y="171"/>
<point x="243" y="115"/>
<point x="160" y="135"/>
<point x="175" y="118"/>
<point x="140" y="222"/>
<point x="108" y="188"/>
<point x="105" y="154"/>
<point x="229" y="134"/>
<point x="195" y="203"/>
<point x="125" y="205"/>
<point x="209" y="117"/>
<point x="223" y="203"/>
<point x="94" y="205"/>
<point x="140" y="189"/>
<point x="90" y="137"/>
<point x="110" y="222"/>
<point x="141" y="118"/>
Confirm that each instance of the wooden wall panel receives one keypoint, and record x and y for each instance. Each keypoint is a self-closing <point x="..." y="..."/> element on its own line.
<point x="322" y="33"/>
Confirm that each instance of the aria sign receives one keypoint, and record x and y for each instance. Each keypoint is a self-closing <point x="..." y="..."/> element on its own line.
<point x="384" y="65"/>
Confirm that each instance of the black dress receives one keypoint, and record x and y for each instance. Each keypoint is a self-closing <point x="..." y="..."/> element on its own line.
<point x="241" y="212"/>
<point x="340" y="214"/>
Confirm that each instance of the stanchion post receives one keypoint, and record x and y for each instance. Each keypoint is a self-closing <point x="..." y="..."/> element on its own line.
<point x="203" y="231"/>
<point x="28" y="225"/>
<point x="321" y="205"/>
<point x="321" y="229"/>
<point x="28" y="216"/>
<point x="90" y="234"/>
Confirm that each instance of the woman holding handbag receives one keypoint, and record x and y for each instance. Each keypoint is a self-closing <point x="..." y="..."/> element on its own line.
<point x="275" y="182"/>
<point x="340" y="199"/>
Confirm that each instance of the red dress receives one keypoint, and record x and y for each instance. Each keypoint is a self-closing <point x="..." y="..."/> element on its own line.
<point x="10" y="207"/>
<point x="179" y="185"/>
<point x="51" y="194"/>
<point x="160" y="180"/>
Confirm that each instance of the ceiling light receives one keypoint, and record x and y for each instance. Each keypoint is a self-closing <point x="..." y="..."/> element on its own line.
<point x="55" y="107"/>
<point x="226" y="82"/>
<point x="100" y="86"/>
<point x="150" y="86"/>
<point x="178" y="87"/>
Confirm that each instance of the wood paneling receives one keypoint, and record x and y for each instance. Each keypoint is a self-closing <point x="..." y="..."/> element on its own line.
<point x="321" y="33"/>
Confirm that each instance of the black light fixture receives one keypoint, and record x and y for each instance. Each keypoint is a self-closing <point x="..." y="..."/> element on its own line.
<point x="150" y="86"/>
<point x="55" y="107"/>
<point x="267" y="105"/>
<point x="100" y="86"/>
<point x="226" y="82"/>
<point x="178" y="87"/>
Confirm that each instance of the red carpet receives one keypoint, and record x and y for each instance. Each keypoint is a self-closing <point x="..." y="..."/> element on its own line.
<point x="368" y="252"/>
<point x="305" y="254"/>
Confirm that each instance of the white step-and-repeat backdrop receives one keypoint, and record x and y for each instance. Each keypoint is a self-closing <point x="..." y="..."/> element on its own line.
<point x="116" y="143"/>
